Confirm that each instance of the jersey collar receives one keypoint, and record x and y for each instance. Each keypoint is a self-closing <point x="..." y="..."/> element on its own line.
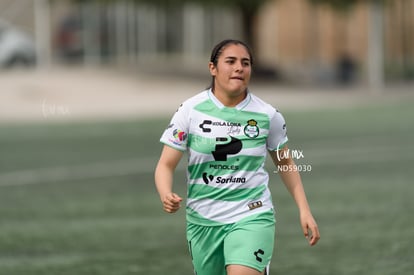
<point x="220" y="105"/>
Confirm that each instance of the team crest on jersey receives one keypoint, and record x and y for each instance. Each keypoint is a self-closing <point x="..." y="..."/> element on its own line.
<point x="251" y="129"/>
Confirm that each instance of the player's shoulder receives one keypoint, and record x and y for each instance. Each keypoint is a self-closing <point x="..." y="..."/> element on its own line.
<point x="193" y="101"/>
<point x="257" y="103"/>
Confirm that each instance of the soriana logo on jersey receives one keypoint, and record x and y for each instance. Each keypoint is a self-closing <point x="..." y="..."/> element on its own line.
<point x="179" y="137"/>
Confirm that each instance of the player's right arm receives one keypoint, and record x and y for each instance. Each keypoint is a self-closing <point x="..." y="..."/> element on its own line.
<point x="164" y="173"/>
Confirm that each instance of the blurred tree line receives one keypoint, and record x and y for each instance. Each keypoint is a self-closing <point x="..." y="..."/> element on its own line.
<point x="249" y="10"/>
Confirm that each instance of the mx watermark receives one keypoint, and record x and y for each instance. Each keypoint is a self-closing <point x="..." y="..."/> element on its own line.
<point x="294" y="154"/>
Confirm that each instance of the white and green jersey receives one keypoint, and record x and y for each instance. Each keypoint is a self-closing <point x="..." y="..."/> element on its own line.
<point x="227" y="149"/>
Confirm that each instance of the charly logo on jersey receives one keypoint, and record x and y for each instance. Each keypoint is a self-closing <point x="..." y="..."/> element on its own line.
<point x="181" y="105"/>
<point x="284" y="129"/>
<point x="232" y="127"/>
<point x="222" y="180"/>
<point x="257" y="253"/>
<point x="251" y="130"/>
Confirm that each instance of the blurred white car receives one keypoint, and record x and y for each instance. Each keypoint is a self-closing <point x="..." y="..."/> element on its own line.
<point x="16" y="47"/>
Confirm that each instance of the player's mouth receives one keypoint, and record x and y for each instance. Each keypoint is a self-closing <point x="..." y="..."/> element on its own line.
<point x="237" y="78"/>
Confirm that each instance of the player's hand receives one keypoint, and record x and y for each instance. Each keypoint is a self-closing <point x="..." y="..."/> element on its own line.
<point x="310" y="228"/>
<point x="171" y="202"/>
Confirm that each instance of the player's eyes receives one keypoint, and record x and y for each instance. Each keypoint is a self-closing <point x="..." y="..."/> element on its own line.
<point x="244" y="63"/>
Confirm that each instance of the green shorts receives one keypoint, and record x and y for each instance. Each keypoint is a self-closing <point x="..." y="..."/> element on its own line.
<point x="248" y="242"/>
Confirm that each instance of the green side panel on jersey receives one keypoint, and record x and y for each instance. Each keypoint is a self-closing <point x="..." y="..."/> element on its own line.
<point x="244" y="163"/>
<point x="232" y="114"/>
<point x="203" y="191"/>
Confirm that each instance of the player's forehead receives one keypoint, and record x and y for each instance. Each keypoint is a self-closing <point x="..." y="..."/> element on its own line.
<point x="235" y="51"/>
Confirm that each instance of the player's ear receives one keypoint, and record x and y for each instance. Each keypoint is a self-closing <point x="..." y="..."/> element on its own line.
<point x="212" y="68"/>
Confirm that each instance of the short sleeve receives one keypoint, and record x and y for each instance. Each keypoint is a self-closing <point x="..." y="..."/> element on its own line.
<point x="277" y="137"/>
<point x="176" y="133"/>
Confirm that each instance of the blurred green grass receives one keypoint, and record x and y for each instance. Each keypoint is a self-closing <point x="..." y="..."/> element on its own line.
<point x="78" y="198"/>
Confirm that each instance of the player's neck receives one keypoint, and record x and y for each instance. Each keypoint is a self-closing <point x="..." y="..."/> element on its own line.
<point x="229" y="99"/>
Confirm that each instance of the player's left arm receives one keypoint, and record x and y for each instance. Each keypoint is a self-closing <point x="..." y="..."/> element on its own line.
<point x="293" y="182"/>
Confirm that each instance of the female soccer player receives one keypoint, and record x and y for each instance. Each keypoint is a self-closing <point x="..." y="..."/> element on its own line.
<point x="227" y="132"/>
